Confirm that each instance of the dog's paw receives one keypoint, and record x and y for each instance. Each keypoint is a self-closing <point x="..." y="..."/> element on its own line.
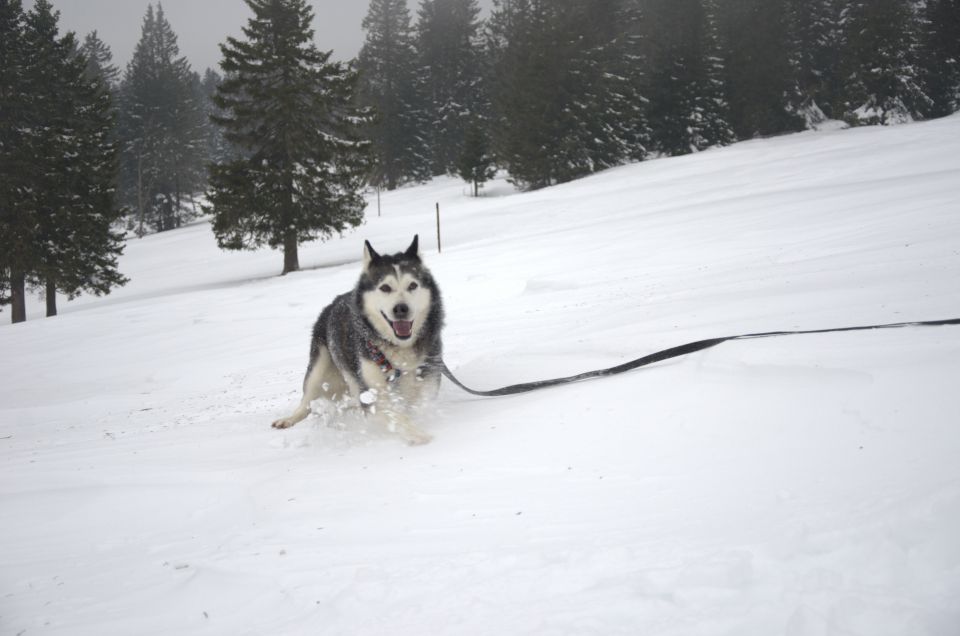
<point x="283" y="423"/>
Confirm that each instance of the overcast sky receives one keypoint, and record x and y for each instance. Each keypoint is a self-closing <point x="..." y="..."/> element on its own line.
<point x="201" y="25"/>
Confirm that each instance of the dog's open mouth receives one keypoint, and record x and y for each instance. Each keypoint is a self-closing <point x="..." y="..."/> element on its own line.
<point x="402" y="329"/>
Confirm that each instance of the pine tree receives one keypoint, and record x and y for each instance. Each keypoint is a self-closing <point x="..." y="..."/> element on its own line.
<point x="762" y="83"/>
<point x="89" y="237"/>
<point x="161" y="128"/>
<point x="624" y="102"/>
<point x="46" y="82"/>
<point x="16" y="224"/>
<point x="883" y="84"/>
<point x="475" y="164"/>
<point x="816" y="42"/>
<point x="566" y="87"/>
<point x="941" y="56"/>
<point x="190" y="175"/>
<point x="100" y="61"/>
<point x="448" y="50"/>
<point x="289" y="112"/>
<point x="607" y="66"/>
<point x="711" y="112"/>
<point x="217" y="148"/>
<point x="523" y="83"/>
<point x="390" y="85"/>
<point x="688" y="110"/>
<point x="59" y="226"/>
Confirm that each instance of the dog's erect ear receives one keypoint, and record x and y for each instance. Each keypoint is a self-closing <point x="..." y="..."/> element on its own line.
<point x="369" y="255"/>
<point x="414" y="250"/>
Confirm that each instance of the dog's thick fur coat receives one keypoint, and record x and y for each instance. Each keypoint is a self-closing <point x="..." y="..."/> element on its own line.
<point x="379" y="345"/>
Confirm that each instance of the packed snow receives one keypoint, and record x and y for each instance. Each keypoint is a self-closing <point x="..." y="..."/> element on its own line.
<point x="804" y="485"/>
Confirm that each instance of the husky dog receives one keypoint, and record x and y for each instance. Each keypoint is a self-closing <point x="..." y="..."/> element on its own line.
<point x="379" y="345"/>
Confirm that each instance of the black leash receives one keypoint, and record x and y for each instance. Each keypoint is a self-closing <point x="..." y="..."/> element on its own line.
<point x="674" y="352"/>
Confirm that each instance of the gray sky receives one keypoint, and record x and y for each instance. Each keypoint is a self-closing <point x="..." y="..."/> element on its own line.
<point x="201" y="25"/>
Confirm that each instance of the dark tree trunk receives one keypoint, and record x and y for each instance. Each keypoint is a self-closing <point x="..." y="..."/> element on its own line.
<point x="140" y="206"/>
<point x="291" y="261"/>
<point x="18" y="297"/>
<point x="177" y="221"/>
<point x="51" y="297"/>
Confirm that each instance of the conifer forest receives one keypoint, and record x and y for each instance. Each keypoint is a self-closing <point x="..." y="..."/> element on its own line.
<point x="279" y="144"/>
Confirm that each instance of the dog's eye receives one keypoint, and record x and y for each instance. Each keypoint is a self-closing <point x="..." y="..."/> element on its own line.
<point x="386" y="289"/>
<point x="412" y="286"/>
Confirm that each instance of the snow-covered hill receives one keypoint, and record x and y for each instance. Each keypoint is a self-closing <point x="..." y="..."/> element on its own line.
<point x="804" y="486"/>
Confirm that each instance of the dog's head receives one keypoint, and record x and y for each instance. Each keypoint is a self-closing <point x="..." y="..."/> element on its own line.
<point x="397" y="293"/>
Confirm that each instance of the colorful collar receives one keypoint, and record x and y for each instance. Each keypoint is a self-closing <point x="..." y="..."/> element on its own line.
<point x="381" y="361"/>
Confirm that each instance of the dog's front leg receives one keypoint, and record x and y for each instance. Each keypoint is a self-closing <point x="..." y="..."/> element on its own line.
<point x="377" y="398"/>
<point x="313" y="387"/>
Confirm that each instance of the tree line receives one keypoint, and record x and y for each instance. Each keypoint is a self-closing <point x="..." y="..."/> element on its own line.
<point x="278" y="146"/>
<point x="552" y="90"/>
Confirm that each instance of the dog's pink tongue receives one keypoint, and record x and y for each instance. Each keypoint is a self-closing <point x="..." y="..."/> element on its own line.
<point x="403" y="328"/>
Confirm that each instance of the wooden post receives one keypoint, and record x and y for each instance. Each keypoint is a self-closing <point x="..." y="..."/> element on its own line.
<point x="378" y="200"/>
<point x="439" y="251"/>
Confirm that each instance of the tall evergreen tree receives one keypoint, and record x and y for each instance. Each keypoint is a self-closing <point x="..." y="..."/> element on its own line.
<point x="448" y="48"/>
<point x="565" y="81"/>
<point x="941" y="56"/>
<point x="291" y="115"/>
<point x="815" y="38"/>
<point x="60" y="230"/>
<point x="217" y="148"/>
<point x="100" y="61"/>
<point x="523" y="84"/>
<point x="622" y="51"/>
<point x="606" y="80"/>
<point x="389" y="83"/>
<point x="89" y="238"/>
<point x="883" y="83"/>
<point x="689" y="109"/>
<point x="711" y="112"/>
<point x="475" y="164"/>
<point x="191" y="175"/>
<point x="16" y="224"/>
<point x="762" y="83"/>
<point x="161" y="128"/>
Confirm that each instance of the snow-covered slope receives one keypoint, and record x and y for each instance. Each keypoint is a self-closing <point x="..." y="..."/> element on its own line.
<point x="804" y="486"/>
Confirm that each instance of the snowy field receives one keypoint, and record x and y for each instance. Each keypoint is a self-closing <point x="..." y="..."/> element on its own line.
<point x="804" y="486"/>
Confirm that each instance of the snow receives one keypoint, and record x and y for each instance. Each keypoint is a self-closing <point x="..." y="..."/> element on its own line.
<point x="805" y="485"/>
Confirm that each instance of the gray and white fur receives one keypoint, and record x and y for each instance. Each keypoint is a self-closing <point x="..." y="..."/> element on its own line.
<point x="394" y="315"/>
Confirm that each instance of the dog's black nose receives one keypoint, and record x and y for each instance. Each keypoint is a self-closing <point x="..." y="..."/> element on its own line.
<point x="401" y="311"/>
